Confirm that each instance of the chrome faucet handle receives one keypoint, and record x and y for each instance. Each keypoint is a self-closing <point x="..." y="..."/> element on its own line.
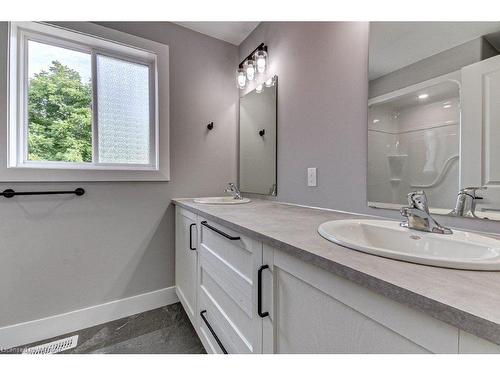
<point x="418" y="199"/>
<point x="472" y="191"/>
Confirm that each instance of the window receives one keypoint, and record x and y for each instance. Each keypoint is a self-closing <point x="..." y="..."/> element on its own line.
<point x="80" y="102"/>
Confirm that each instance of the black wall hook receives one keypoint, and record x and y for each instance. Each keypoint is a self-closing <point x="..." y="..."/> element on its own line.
<point x="262" y="132"/>
<point x="210" y="126"/>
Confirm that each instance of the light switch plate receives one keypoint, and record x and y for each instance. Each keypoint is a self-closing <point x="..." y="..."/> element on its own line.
<point x="311" y="177"/>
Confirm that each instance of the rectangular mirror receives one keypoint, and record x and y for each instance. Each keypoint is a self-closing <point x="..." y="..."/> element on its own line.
<point x="257" y="139"/>
<point x="433" y="117"/>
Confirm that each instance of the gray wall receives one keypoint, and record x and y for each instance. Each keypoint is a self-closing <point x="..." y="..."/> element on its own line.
<point x="58" y="254"/>
<point x="322" y="114"/>
<point x="322" y="99"/>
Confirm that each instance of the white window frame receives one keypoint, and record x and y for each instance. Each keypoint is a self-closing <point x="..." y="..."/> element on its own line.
<point x="20" y="34"/>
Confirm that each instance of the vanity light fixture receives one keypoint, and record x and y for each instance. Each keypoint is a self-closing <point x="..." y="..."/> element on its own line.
<point x="241" y="78"/>
<point x="255" y="63"/>
<point x="250" y="69"/>
<point x="261" y="60"/>
<point x="423" y="96"/>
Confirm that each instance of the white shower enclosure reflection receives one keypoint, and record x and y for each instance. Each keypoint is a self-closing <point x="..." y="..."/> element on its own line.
<point x="414" y="144"/>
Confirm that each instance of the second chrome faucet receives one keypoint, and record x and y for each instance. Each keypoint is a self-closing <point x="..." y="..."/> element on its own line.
<point x="466" y="202"/>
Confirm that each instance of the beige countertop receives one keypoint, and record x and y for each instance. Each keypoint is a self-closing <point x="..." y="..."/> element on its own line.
<point x="469" y="300"/>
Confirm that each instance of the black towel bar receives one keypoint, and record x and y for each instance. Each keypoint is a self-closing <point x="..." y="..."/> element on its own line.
<point x="9" y="193"/>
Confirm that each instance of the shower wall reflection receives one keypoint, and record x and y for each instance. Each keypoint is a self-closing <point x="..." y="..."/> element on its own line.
<point x="413" y="144"/>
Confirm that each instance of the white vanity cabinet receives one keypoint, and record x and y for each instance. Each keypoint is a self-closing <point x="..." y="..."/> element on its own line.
<point x="243" y="296"/>
<point x="186" y="260"/>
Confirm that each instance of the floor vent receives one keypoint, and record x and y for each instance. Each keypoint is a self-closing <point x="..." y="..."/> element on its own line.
<point x="54" y="346"/>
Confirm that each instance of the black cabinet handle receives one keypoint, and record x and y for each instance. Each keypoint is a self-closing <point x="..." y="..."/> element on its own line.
<point x="191" y="236"/>
<point x="259" y="292"/>
<point x="232" y="238"/>
<point x="202" y="314"/>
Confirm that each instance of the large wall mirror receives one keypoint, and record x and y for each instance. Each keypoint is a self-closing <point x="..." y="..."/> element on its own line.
<point x="434" y="116"/>
<point x="257" y="143"/>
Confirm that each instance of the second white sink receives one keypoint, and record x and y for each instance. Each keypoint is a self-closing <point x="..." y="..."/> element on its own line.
<point x="462" y="250"/>
<point x="221" y="200"/>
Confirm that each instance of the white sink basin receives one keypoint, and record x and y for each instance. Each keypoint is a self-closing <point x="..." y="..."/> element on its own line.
<point x="462" y="250"/>
<point x="221" y="200"/>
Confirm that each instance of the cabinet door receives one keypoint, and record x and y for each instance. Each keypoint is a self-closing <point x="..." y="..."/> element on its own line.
<point x="480" y="140"/>
<point x="229" y="264"/>
<point x="316" y="311"/>
<point x="186" y="258"/>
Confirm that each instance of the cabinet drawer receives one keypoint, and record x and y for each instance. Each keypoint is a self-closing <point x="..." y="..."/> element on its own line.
<point x="236" y="253"/>
<point x="207" y="336"/>
<point x="220" y="273"/>
<point x="238" y="318"/>
<point x="222" y="323"/>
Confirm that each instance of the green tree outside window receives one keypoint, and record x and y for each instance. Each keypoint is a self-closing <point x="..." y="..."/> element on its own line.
<point x="59" y="116"/>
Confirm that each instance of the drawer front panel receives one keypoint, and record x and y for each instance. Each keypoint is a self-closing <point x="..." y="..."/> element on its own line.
<point x="232" y="339"/>
<point x="232" y="252"/>
<point x="240" y="319"/>
<point x="237" y="286"/>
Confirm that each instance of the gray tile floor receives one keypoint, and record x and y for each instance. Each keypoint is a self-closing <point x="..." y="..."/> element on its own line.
<point x="166" y="330"/>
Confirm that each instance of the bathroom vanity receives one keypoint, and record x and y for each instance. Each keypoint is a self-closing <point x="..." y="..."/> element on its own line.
<point x="258" y="278"/>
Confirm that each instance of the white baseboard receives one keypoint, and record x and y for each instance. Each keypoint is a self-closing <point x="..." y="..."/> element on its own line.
<point x="41" y="329"/>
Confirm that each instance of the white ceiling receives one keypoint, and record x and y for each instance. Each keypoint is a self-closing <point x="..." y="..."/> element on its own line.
<point x="232" y="32"/>
<point x="394" y="45"/>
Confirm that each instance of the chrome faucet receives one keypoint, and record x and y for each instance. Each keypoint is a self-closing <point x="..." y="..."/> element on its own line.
<point x="466" y="202"/>
<point x="233" y="190"/>
<point x="418" y="215"/>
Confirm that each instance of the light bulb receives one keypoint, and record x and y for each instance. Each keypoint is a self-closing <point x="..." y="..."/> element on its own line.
<point x="250" y="69"/>
<point x="261" y="61"/>
<point x="241" y="78"/>
<point x="269" y="82"/>
<point x="259" y="88"/>
<point x="423" y="96"/>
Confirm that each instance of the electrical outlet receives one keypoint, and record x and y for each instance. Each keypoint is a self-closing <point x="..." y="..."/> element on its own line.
<point x="311" y="177"/>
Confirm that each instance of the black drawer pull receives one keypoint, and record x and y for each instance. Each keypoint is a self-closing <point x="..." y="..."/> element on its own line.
<point x="232" y="238"/>
<point x="259" y="292"/>
<point x="191" y="236"/>
<point x="202" y="314"/>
